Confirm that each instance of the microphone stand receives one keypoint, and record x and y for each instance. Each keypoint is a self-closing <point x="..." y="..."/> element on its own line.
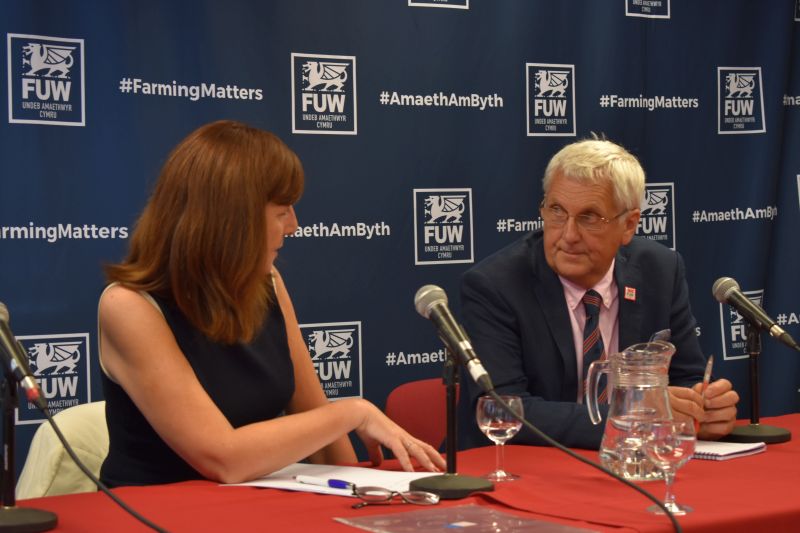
<point x="16" y="519"/>
<point x="451" y="486"/>
<point x="755" y="432"/>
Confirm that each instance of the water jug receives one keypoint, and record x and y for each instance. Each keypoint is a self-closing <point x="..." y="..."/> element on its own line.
<point x="637" y="387"/>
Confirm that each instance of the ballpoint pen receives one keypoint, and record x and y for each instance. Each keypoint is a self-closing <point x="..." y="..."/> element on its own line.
<point x="706" y="377"/>
<point x="704" y="386"/>
<point x="323" y="482"/>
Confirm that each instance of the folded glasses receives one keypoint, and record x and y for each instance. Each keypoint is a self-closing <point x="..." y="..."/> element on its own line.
<point x="380" y="496"/>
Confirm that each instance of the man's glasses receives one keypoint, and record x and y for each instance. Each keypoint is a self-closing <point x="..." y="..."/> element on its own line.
<point x="556" y="216"/>
<point x="380" y="495"/>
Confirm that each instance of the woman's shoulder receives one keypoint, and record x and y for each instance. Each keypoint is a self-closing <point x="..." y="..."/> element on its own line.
<point x="118" y="299"/>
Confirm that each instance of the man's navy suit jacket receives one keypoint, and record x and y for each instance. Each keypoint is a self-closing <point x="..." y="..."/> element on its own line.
<point x="515" y="313"/>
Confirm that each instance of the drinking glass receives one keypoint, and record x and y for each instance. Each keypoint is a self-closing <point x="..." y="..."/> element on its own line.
<point x="499" y="426"/>
<point x="669" y="444"/>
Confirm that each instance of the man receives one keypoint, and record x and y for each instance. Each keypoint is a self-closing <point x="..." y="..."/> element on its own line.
<point x="523" y="308"/>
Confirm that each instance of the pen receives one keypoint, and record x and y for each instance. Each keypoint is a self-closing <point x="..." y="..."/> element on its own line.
<point x="322" y="482"/>
<point x="706" y="377"/>
<point x="704" y="386"/>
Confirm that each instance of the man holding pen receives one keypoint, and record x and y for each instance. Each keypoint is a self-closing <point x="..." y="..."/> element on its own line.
<point x="526" y="308"/>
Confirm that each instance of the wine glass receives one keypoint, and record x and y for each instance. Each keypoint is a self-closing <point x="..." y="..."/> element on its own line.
<point x="669" y="444"/>
<point x="499" y="426"/>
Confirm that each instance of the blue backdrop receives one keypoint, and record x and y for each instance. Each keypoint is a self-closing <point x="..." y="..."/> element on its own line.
<point x="424" y="128"/>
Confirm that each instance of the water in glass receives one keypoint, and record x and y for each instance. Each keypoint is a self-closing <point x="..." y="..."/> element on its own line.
<point x="499" y="425"/>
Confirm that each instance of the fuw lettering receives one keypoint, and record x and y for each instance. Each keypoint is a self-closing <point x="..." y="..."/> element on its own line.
<point x="333" y="370"/>
<point x="62" y="386"/>
<point x="324" y="102"/>
<point x="653" y="225"/>
<point x="45" y="89"/>
<point x="550" y="108"/>
<point x="443" y="234"/>
<point x="739" y="107"/>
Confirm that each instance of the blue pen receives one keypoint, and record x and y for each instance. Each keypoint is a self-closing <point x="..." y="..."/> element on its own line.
<point x="322" y="482"/>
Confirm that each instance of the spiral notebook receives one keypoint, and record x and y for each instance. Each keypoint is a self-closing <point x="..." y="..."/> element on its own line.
<point x="722" y="451"/>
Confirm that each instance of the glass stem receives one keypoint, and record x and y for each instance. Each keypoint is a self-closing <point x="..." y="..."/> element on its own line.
<point x="499" y="456"/>
<point x="669" y="498"/>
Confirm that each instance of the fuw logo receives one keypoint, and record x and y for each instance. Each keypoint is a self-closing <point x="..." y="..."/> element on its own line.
<point x="550" y="91"/>
<point x="335" y="350"/>
<point x="443" y="226"/>
<point x="734" y="332"/>
<point x="60" y="364"/>
<point x="658" y="214"/>
<point x="652" y="9"/>
<point x="324" y="94"/>
<point x="453" y="4"/>
<point x="741" y="100"/>
<point x="45" y="80"/>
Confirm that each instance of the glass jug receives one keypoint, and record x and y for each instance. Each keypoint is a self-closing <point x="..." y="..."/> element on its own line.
<point x="637" y="386"/>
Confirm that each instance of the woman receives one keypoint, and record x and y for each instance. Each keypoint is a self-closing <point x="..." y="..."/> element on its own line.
<point x="205" y="371"/>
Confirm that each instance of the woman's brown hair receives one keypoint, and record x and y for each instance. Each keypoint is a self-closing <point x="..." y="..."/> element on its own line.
<point x="202" y="237"/>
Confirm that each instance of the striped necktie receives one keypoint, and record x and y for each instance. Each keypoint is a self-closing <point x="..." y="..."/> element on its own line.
<point x="593" y="349"/>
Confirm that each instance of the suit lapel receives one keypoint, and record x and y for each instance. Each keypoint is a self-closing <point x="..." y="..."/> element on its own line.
<point x="550" y="293"/>
<point x="629" y="279"/>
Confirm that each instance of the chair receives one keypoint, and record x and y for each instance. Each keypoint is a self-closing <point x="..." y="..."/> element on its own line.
<point x="49" y="470"/>
<point x="419" y="407"/>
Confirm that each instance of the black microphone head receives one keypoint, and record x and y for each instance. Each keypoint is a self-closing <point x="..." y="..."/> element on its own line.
<point x="3" y="312"/>
<point x="722" y="288"/>
<point x="428" y="296"/>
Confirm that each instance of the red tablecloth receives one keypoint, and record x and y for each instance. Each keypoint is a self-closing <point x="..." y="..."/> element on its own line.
<point x="748" y="494"/>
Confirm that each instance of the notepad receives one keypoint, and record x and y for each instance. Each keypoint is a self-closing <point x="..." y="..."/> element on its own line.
<point x="284" y="478"/>
<point x="722" y="451"/>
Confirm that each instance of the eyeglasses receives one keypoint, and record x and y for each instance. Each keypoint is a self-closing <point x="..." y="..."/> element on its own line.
<point x="380" y="495"/>
<point x="556" y="217"/>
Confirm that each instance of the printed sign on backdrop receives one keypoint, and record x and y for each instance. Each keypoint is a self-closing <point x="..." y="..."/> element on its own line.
<point x="443" y="226"/>
<point x="60" y="364"/>
<point x="324" y="94"/>
<point x="653" y="9"/>
<point x="732" y="324"/>
<point x="455" y="4"/>
<point x="45" y="80"/>
<point x="335" y="349"/>
<point x="740" y="93"/>
<point x="658" y="213"/>
<point x="550" y="102"/>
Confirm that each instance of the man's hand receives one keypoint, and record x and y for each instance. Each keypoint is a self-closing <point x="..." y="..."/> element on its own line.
<point x="716" y="415"/>
<point x="720" y="409"/>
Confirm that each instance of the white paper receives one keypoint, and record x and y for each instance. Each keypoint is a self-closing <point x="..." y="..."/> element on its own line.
<point x="718" y="450"/>
<point x="361" y="477"/>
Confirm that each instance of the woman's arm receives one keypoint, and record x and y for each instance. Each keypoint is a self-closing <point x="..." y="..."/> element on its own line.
<point x="158" y="378"/>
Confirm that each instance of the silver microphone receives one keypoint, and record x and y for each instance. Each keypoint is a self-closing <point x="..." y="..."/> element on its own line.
<point x="431" y="302"/>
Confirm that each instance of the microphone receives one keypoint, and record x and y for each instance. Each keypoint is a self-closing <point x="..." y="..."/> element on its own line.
<point x="16" y="361"/>
<point x="726" y="290"/>
<point x="431" y="302"/>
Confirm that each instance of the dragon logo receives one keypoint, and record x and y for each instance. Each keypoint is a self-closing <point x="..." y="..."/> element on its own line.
<point x="444" y="208"/>
<point x="324" y="76"/>
<point x="740" y="85"/>
<point x="554" y="82"/>
<point x="54" y="357"/>
<point x="47" y="57"/>
<point x="332" y="342"/>
<point x="655" y="202"/>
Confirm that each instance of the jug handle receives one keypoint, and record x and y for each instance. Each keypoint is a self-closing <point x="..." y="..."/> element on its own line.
<point x="596" y="369"/>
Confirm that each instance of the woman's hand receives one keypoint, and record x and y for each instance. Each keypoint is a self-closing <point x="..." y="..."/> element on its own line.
<point x="377" y="429"/>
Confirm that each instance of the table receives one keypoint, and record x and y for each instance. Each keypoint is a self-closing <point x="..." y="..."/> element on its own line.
<point x="748" y="494"/>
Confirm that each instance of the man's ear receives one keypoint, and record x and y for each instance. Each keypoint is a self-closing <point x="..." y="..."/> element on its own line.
<point x="631" y="222"/>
